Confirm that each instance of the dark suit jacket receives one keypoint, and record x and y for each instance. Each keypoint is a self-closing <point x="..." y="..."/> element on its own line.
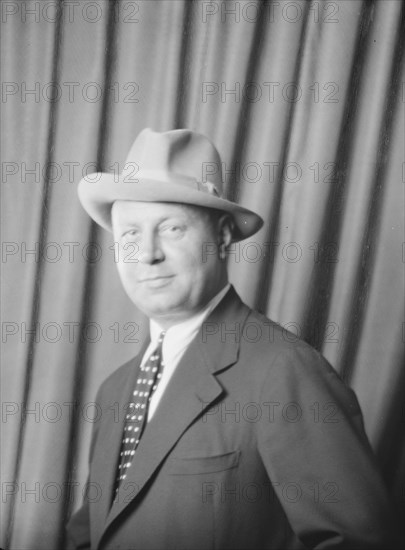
<point x="256" y="444"/>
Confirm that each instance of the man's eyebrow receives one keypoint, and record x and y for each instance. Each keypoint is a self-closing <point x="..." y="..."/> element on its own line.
<point x="124" y="224"/>
<point x="182" y="217"/>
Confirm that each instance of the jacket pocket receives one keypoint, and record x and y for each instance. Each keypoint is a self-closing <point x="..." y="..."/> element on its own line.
<point x="203" y="464"/>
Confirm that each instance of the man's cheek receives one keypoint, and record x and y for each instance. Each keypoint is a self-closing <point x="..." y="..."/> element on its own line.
<point x="127" y="271"/>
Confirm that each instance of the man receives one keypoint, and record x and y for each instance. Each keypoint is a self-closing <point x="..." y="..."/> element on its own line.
<point x="227" y="440"/>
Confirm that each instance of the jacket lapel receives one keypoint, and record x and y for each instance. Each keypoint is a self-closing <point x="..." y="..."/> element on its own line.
<point x="191" y="390"/>
<point x="104" y="463"/>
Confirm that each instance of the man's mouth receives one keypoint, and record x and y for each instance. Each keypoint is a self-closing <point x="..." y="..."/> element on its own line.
<point x="156" y="281"/>
<point x="154" y="278"/>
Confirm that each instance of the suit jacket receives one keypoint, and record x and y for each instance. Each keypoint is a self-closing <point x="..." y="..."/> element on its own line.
<point x="256" y="444"/>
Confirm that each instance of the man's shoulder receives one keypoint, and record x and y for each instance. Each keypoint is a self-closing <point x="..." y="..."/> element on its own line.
<point x="267" y="346"/>
<point x="263" y="337"/>
<point x="289" y="367"/>
<point x="261" y="334"/>
<point x="264" y="332"/>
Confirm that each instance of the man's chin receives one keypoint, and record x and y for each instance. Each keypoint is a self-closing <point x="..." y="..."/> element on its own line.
<point x="156" y="308"/>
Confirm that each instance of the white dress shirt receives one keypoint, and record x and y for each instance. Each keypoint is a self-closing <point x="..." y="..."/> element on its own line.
<point x="176" y="341"/>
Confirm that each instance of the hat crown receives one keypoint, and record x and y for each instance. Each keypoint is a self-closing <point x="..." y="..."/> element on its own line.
<point x="177" y="156"/>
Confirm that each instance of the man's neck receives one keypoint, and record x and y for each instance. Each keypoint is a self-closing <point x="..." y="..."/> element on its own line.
<point x="166" y="322"/>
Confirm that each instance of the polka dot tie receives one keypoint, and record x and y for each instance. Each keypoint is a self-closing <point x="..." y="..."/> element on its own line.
<point x="137" y="415"/>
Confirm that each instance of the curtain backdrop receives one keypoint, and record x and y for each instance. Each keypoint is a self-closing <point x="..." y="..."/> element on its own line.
<point x="303" y="99"/>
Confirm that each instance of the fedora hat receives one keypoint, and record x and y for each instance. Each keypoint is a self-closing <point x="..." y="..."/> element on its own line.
<point x="179" y="166"/>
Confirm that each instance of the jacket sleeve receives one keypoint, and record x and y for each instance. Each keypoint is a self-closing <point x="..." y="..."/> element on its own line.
<point x="318" y="457"/>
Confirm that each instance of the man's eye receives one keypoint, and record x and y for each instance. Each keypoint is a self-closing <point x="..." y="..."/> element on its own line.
<point x="172" y="230"/>
<point x="131" y="233"/>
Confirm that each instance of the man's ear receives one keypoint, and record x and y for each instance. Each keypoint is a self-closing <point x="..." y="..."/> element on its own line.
<point x="226" y="227"/>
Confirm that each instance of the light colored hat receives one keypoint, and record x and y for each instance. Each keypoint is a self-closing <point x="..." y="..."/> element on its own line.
<point x="179" y="166"/>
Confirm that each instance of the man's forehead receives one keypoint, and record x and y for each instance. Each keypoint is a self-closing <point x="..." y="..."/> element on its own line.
<point x="127" y="210"/>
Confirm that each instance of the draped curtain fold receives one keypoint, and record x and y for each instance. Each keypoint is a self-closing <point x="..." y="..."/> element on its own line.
<point x="304" y="101"/>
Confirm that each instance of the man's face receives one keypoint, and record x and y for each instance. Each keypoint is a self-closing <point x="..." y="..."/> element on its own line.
<point x="163" y="260"/>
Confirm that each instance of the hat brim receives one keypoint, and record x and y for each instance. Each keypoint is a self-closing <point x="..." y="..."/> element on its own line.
<point x="99" y="191"/>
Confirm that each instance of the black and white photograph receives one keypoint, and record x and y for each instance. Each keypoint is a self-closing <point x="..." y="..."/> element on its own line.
<point x="202" y="275"/>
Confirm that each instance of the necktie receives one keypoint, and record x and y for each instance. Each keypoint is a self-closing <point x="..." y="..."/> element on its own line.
<point x="137" y="415"/>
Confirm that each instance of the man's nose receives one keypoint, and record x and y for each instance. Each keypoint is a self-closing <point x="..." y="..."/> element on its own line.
<point x="150" y="250"/>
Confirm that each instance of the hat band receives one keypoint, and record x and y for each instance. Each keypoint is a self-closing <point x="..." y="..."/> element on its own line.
<point x="130" y="174"/>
